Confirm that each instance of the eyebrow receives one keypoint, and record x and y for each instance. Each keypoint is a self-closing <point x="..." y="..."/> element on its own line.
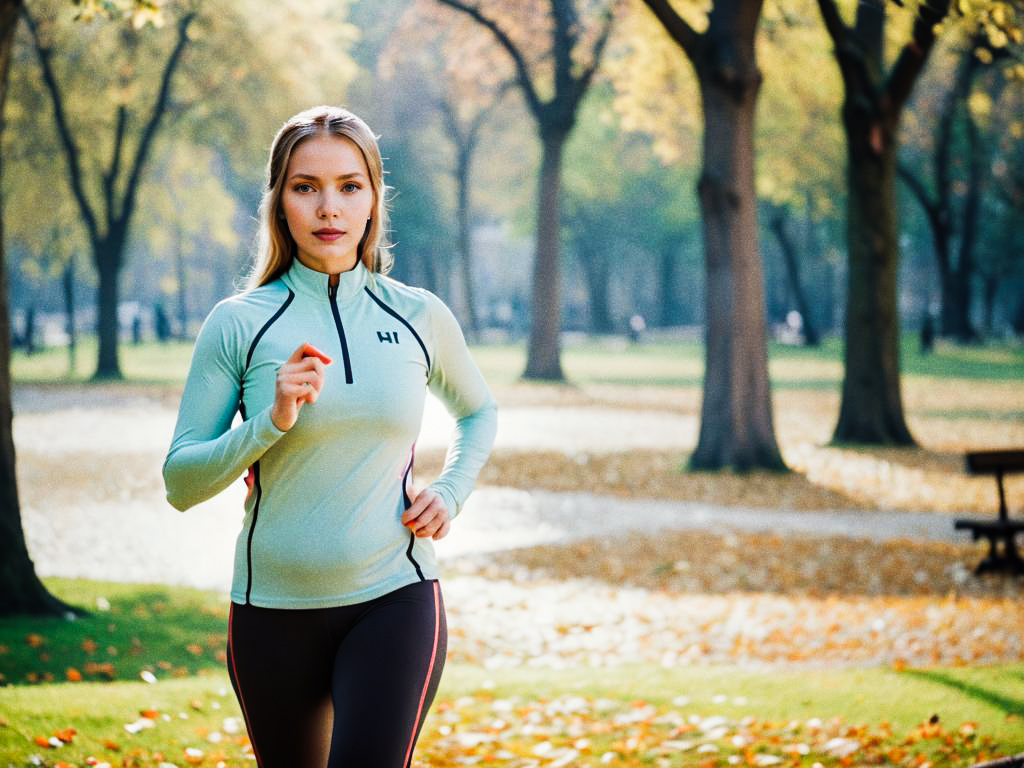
<point x="311" y="177"/>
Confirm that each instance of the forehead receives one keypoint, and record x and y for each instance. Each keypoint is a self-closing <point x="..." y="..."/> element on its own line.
<point x="327" y="155"/>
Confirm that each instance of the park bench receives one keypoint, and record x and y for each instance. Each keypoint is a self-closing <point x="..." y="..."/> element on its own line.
<point x="1002" y="530"/>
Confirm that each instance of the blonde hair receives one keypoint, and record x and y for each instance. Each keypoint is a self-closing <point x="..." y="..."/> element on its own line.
<point x="276" y="249"/>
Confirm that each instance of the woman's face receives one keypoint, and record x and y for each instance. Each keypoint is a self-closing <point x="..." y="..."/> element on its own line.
<point x="327" y="201"/>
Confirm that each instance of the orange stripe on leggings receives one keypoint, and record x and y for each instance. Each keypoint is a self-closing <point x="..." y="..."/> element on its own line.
<point x="430" y="672"/>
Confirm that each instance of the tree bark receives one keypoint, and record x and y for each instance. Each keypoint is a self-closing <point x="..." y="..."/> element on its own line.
<point x="736" y="429"/>
<point x="871" y="409"/>
<point x="544" y="351"/>
<point x="107" y="257"/>
<point x="21" y="591"/>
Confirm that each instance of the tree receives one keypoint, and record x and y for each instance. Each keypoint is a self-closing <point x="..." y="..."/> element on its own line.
<point x="871" y="408"/>
<point x="777" y="223"/>
<point x="424" y="62"/>
<point x="108" y="227"/>
<point x="736" y="417"/>
<point x="958" y="160"/>
<point x="124" y="85"/>
<point x="21" y="591"/>
<point x="574" y="48"/>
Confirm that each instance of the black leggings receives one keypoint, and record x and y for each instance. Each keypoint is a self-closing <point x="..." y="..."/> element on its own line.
<point x="344" y="687"/>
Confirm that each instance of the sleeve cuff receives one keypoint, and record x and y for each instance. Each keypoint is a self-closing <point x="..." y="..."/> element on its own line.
<point x="264" y="430"/>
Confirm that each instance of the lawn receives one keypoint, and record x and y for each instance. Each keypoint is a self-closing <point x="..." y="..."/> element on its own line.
<point x="99" y="706"/>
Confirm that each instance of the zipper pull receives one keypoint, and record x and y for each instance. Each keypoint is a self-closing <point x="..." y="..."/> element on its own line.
<point x="332" y="286"/>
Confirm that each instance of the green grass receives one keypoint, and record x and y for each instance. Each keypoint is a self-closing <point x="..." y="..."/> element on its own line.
<point x="167" y="631"/>
<point x="153" y="627"/>
<point x="596" y="361"/>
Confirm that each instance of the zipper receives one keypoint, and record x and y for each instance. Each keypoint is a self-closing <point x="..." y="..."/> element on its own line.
<point x="332" y="293"/>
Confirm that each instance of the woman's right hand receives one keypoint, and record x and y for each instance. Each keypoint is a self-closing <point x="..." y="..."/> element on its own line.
<point x="299" y="381"/>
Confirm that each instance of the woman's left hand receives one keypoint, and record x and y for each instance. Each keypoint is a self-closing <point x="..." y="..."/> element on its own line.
<point x="427" y="516"/>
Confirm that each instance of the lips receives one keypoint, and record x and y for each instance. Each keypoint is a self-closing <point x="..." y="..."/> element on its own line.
<point x="328" y="234"/>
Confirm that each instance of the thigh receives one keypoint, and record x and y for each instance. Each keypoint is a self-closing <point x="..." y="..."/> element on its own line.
<point x="385" y="676"/>
<point x="280" y="663"/>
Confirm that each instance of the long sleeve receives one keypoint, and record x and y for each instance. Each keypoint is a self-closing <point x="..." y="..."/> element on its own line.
<point x="455" y="379"/>
<point x="207" y="454"/>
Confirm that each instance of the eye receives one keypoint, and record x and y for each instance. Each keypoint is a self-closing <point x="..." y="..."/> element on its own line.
<point x="350" y="187"/>
<point x="303" y="186"/>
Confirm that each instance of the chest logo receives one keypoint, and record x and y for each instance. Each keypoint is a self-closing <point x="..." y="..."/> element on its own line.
<point x="387" y="336"/>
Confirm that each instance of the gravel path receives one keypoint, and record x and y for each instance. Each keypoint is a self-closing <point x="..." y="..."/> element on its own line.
<point x="93" y="507"/>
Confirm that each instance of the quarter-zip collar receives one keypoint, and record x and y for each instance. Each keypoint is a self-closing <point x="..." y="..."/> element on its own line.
<point x="309" y="282"/>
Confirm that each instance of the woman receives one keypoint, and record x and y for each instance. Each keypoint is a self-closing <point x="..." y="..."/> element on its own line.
<point x="336" y="635"/>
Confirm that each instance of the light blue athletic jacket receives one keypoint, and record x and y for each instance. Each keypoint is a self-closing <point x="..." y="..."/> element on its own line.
<point x="323" y="515"/>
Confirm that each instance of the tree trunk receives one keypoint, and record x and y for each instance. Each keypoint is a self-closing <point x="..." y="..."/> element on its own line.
<point x="106" y="256"/>
<point x="965" y="267"/>
<point x="595" y="270"/>
<point x="21" y="592"/>
<point x="68" y="281"/>
<point x="736" y="415"/>
<point x="667" y="311"/>
<point x="871" y="410"/>
<point x="810" y="331"/>
<point x="990" y="289"/>
<point x="543" y="358"/>
<point x="463" y="178"/>
<point x="182" y="277"/>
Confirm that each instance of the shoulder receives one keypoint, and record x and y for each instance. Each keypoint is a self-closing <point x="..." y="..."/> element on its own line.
<point x="240" y="315"/>
<point x="406" y="298"/>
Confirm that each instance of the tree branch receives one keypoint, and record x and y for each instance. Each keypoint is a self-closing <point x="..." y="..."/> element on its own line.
<point x="585" y="78"/>
<point x="67" y="139"/>
<point x="566" y="36"/>
<point x="159" y="107"/>
<point x="914" y="54"/>
<point x="677" y="27"/>
<point x="916" y="186"/>
<point x="110" y="176"/>
<point x="522" y="72"/>
<point x="834" y="24"/>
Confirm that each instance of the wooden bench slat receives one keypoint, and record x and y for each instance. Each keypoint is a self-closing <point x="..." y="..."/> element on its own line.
<point x="993" y="462"/>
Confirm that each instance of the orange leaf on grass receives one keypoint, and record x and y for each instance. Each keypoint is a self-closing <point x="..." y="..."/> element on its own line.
<point x="42" y="741"/>
<point x="194" y="648"/>
<point x="73" y="675"/>
<point x="149" y="714"/>
<point x="67" y="735"/>
<point x="35" y="641"/>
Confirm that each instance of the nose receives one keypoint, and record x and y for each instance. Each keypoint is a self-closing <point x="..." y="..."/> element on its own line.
<point x="329" y="205"/>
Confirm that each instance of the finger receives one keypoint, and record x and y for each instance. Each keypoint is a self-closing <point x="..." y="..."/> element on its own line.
<point x="298" y="354"/>
<point x="306" y="380"/>
<point x="431" y="527"/>
<point x="308" y="350"/>
<point x="418" y="506"/>
<point x="443" y="530"/>
<point x="305" y="350"/>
